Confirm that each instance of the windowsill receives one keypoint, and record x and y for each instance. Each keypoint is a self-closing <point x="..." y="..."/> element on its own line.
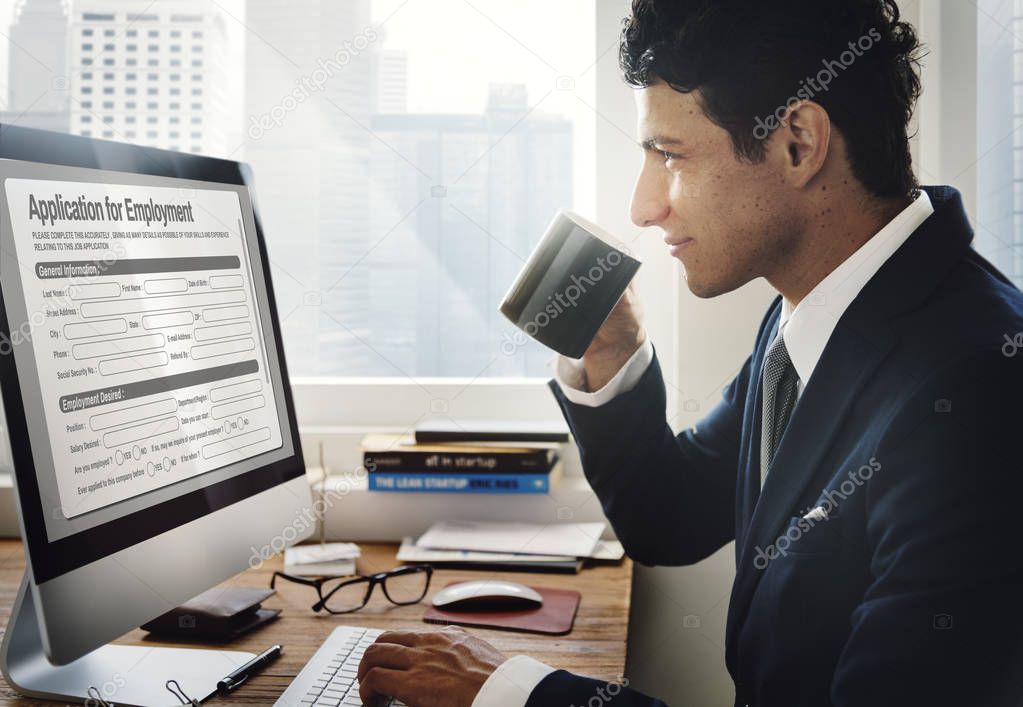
<point x="355" y="513"/>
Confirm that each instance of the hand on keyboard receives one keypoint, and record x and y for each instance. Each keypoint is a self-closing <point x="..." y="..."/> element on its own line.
<point x="427" y="669"/>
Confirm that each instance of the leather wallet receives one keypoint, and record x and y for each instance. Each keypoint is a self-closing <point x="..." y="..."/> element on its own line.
<point x="218" y="614"/>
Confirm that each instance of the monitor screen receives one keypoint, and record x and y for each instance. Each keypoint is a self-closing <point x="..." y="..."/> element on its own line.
<point x="139" y="322"/>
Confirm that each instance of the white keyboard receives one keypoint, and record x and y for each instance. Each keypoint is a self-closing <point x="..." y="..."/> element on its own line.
<point x="328" y="679"/>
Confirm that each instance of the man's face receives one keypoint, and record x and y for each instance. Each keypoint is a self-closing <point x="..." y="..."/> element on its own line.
<point x="728" y="221"/>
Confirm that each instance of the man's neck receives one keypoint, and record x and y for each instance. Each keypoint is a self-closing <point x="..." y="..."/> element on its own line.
<point x="829" y="241"/>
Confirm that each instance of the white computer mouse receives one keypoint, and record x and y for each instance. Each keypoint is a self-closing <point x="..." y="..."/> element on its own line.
<point x="487" y="595"/>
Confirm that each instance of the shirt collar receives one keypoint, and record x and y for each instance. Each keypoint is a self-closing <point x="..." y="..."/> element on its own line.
<point x="808" y="327"/>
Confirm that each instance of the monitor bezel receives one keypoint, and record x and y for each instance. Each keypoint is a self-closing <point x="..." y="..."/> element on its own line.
<point x="53" y="559"/>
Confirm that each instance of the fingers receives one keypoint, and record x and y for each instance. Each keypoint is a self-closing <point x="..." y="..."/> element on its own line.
<point x="414" y="639"/>
<point x="388" y="655"/>
<point x="383" y="682"/>
<point x="401" y="638"/>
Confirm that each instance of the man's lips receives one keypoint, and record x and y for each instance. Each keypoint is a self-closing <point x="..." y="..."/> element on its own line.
<point x="677" y="245"/>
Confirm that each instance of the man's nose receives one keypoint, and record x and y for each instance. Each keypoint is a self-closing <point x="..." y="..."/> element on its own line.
<point x="650" y="205"/>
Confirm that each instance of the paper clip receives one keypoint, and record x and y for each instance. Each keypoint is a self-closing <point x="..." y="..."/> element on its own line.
<point x="96" y="697"/>
<point x="175" y="689"/>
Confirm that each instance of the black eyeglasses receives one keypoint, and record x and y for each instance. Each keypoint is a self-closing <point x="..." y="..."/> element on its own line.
<point x="342" y="595"/>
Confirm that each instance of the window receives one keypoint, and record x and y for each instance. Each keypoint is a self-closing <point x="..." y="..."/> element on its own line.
<point x="999" y="221"/>
<point x="402" y="274"/>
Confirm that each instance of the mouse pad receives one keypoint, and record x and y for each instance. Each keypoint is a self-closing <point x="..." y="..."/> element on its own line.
<point x="555" y="617"/>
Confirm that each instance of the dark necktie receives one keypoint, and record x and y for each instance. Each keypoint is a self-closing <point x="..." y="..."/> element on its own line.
<point x="780" y="392"/>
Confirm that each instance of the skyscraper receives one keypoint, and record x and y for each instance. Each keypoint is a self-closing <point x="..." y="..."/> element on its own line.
<point x="392" y="94"/>
<point x="310" y="91"/>
<point x="497" y="179"/>
<point x="157" y="74"/>
<point x="37" y="66"/>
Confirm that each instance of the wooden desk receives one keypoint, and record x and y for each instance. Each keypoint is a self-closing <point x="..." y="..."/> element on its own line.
<point x="595" y="647"/>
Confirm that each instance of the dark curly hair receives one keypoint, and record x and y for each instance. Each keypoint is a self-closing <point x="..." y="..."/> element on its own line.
<point x="750" y="58"/>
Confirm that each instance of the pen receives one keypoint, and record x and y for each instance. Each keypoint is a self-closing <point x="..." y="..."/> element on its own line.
<point x="242" y="674"/>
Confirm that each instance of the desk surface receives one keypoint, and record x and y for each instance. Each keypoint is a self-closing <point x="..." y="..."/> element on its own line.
<point x="596" y="645"/>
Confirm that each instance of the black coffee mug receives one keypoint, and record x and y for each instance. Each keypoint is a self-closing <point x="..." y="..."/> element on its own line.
<point x="570" y="284"/>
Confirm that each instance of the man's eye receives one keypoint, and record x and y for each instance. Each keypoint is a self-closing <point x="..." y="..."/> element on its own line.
<point x="668" y="156"/>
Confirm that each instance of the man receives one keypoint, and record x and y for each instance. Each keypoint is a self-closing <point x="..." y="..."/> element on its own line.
<point x="865" y="458"/>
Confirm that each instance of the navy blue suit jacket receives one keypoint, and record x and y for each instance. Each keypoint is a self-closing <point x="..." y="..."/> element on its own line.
<point x="909" y="433"/>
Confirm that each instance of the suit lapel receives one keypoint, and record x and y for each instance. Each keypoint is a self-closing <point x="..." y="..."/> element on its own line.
<point x="863" y="337"/>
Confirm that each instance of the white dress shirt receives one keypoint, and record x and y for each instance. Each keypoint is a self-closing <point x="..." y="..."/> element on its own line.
<point x="806" y="328"/>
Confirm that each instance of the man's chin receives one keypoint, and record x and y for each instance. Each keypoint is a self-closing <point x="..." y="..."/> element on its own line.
<point x="706" y="288"/>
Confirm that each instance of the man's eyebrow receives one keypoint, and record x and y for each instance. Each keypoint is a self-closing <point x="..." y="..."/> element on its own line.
<point x="651" y="143"/>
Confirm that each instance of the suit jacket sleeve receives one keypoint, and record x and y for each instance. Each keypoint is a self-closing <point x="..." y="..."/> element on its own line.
<point x="564" y="688"/>
<point x="670" y="499"/>
<point x="941" y="622"/>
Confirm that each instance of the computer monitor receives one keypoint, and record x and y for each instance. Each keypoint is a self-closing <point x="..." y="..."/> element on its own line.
<point x="153" y="433"/>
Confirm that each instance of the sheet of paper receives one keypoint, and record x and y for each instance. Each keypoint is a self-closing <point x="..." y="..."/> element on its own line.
<point x="304" y="554"/>
<point x="411" y="552"/>
<point x="608" y="550"/>
<point x="571" y="539"/>
<point x="338" y="568"/>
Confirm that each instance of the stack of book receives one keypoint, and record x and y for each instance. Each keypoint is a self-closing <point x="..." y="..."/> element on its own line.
<point x="409" y="464"/>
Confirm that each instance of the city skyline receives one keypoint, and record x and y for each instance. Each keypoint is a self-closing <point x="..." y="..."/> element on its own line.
<point x="321" y="115"/>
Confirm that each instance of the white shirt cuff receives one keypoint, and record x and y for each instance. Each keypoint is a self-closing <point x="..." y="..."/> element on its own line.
<point x="571" y="377"/>
<point x="512" y="683"/>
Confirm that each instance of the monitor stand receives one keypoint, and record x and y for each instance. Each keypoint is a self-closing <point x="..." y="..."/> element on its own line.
<point x="125" y="675"/>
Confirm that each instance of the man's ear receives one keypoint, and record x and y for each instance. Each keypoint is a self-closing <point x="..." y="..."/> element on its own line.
<point x="804" y="136"/>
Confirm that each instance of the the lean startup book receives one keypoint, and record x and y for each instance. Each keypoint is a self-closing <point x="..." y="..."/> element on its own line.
<point x="418" y="481"/>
